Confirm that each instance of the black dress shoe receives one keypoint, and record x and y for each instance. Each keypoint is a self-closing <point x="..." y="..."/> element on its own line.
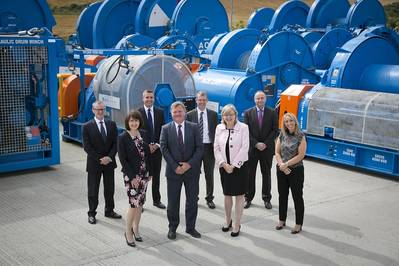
<point x="172" y="235"/>
<point x="279" y="227"/>
<point x="137" y="237"/>
<point x="210" y="204"/>
<point x="226" y="229"/>
<point x="92" y="220"/>
<point x="113" y="215"/>
<point x="130" y="244"/>
<point x="194" y="233"/>
<point x="235" y="234"/>
<point x="247" y="204"/>
<point x="159" y="205"/>
<point x="268" y="205"/>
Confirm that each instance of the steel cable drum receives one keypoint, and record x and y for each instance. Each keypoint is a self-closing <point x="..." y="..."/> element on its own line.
<point x="114" y="19"/>
<point x="84" y="25"/>
<point x="327" y="12"/>
<point x="326" y="48"/>
<point x="121" y="88"/>
<point x="365" y="13"/>
<point x="24" y="15"/>
<point x="200" y="21"/>
<point x="261" y="18"/>
<point x="290" y="13"/>
<point x="153" y="17"/>
<point x="234" y="48"/>
<point x="359" y="56"/>
<point x="357" y="116"/>
<point x="280" y="48"/>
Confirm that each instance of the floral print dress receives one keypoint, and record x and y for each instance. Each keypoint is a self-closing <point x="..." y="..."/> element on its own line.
<point x="137" y="195"/>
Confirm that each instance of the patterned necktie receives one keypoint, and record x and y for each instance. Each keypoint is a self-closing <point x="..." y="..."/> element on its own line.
<point x="180" y="141"/>
<point x="102" y="131"/>
<point x="201" y="125"/>
<point x="150" y="125"/>
<point x="260" y="118"/>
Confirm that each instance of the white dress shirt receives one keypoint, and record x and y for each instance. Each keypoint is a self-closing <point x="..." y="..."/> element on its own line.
<point x="99" y="125"/>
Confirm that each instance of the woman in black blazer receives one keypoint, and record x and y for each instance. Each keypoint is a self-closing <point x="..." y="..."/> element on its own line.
<point x="133" y="153"/>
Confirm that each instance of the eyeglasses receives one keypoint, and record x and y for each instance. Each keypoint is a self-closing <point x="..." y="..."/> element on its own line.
<point x="98" y="109"/>
<point x="229" y="115"/>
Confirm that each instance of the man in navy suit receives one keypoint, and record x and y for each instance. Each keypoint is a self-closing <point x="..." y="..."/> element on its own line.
<point x="100" y="144"/>
<point x="182" y="148"/>
<point x="153" y="121"/>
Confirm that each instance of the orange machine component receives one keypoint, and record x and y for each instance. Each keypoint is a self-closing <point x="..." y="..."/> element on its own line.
<point x="93" y="60"/>
<point x="290" y="99"/>
<point x="68" y="95"/>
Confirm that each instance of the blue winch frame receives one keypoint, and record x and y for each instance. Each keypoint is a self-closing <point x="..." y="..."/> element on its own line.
<point x="46" y="156"/>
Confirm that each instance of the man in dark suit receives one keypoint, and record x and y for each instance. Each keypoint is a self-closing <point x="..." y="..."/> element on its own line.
<point x="182" y="149"/>
<point x="100" y="144"/>
<point x="263" y="125"/>
<point x="153" y="119"/>
<point x="207" y="121"/>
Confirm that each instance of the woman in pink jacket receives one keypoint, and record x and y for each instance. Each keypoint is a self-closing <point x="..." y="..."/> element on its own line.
<point x="231" y="153"/>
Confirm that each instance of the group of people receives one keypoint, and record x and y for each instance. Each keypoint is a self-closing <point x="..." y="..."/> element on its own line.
<point x="193" y="139"/>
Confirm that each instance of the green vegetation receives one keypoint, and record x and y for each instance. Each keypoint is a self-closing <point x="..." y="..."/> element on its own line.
<point x="392" y="13"/>
<point x="68" y="10"/>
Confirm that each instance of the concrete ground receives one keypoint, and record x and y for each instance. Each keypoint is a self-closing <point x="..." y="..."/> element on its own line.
<point x="351" y="218"/>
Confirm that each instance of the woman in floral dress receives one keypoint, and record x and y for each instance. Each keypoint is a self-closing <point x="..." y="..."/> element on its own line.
<point x="133" y="154"/>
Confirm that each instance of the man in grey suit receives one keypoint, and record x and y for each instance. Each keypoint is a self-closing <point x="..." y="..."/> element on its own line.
<point x="182" y="148"/>
<point x="207" y="121"/>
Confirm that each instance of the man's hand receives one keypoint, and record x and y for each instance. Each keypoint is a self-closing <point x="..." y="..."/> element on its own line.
<point x="260" y="146"/>
<point x="179" y="170"/>
<point x="105" y="160"/>
<point x="185" y="166"/>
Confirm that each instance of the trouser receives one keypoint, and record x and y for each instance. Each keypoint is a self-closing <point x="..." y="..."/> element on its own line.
<point x="208" y="160"/>
<point x="294" y="181"/>
<point x="93" y="185"/>
<point x="156" y="164"/>
<point x="265" y="161"/>
<point x="191" y="186"/>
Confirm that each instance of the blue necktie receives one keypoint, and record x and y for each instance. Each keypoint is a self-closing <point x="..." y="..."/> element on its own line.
<point x="150" y="125"/>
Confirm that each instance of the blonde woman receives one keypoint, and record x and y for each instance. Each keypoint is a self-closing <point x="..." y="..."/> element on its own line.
<point x="231" y="154"/>
<point x="290" y="151"/>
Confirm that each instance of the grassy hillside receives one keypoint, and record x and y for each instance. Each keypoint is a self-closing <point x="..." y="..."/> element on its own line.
<point x="66" y="12"/>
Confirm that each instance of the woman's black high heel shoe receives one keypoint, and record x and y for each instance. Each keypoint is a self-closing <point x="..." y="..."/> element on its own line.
<point x="234" y="234"/>
<point x="279" y="227"/>
<point x="130" y="244"/>
<point x="138" y="237"/>
<point x="226" y="229"/>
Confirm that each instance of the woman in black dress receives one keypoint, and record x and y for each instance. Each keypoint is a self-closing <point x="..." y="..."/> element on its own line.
<point x="231" y="153"/>
<point x="133" y="154"/>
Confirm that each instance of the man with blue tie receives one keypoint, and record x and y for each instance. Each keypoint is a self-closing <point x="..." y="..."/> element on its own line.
<point x="100" y="144"/>
<point x="153" y="119"/>
<point x="182" y="148"/>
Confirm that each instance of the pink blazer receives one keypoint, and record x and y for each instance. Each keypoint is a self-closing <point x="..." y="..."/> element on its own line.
<point x="239" y="144"/>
